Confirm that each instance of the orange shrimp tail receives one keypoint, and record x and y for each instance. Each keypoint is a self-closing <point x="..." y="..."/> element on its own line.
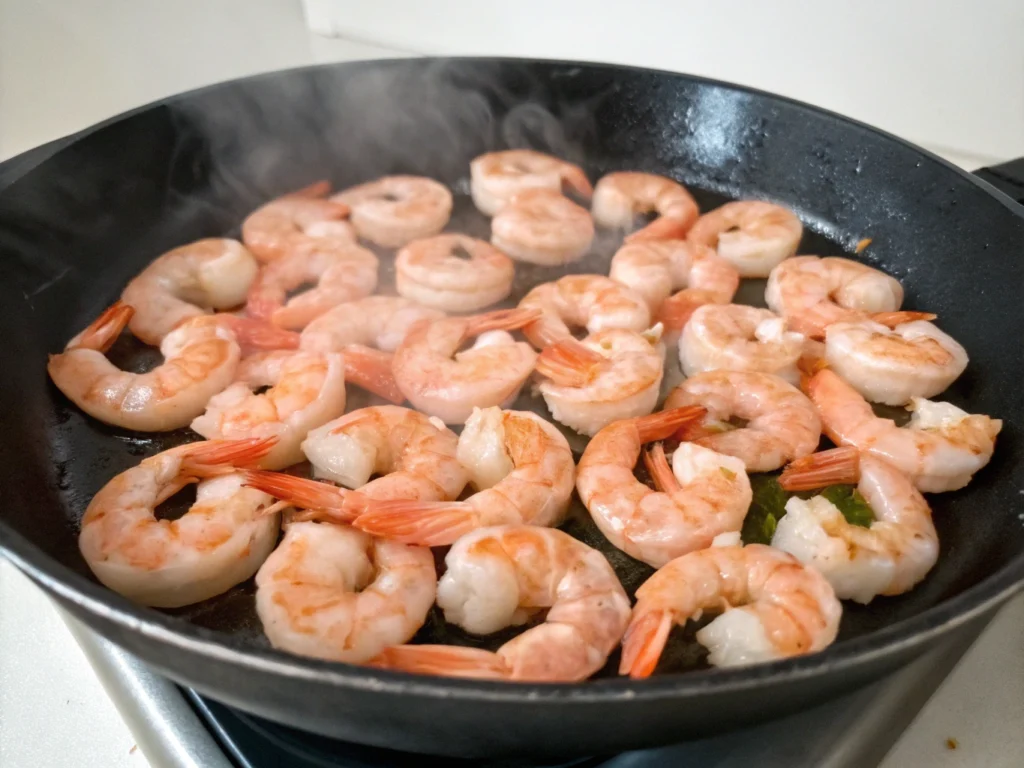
<point x="662" y="228"/>
<point x="693" y="431"/>
<point x="569" y="363"/>
<point x="370" y="369"/>
<point x="316" y="189"/>
<point x="676" y="310"/>
<point x="576" y="179"/>
<point x="217" y="457"/>
<point x="644" y="642"/>
<point x="257" y="335"/>
<point x="809" y="367"/>
<point x="661" y="425"/>
<point x="832" y="467"/>
<point x="448" y="660"/>
<point x="336" y="504"/>
<point x="661" y="473"/>
<point x="426" y="523"/>
<point x="892" y="319"/>
<point x="501" y="320"/>
<point x="104" y="330"/>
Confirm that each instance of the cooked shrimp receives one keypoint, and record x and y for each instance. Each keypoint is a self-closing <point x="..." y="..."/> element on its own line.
<point x="342" y="272"/>
<point x="306" y="390"/>
<point x="811" y="293"/>
<point x="498" y="577"/>
<point x="295" y="222"/>
<point x="375" y="321"/>
<point x="619" y="198"/>
<point x="735" y="337"/>
<point x="940" y="449"/>
<point x="455" y="273"/>
<point x="218" y="543"/>
<point x="441" y="381"/>
<point x="542" y="227"/>
<point x="890" y="557"/>
<point x="497" y="177"/>
<point x="539" y="472"/>
<point x="594" y="302"/>
<point x="752" y="235"/>
<point x="702" y="495"/>
<point x="394" y="210"/>
<point x="782" y="424"/>
<point x="200" y="359"/>
<point x="331" y="592"/>
<point x="894" y="365"/>
<point x="612" y="374"/>
<point x="772" y="607"/>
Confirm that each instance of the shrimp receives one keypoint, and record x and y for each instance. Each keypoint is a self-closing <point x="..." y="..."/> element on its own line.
<point x="218" y="543"/>
<point x="331" y="592"/>
<point x="498" y="577"/>
<point x="441" y="381"/>
<point x="305" y="391"/>
<point x="200" y="358"/>
<point x="455" y="273"/>
<point x="782" y="423"/>
<point x="892" y="366"/>
<point x="612" y="374"/>
<point x="540" y="226"/>
<point x="890" y="557"/>
<point x="523" y="470"/>
<point x="375" y="321"/>
<point x="295" y="222"/>
<point x="811" y="293"/>
<point x="497" y="177"/>
<point x="702" y="495"/>
<point x="595" y="302"/>
<point x="940" y="449"/>
<point x="736" y="337"/>
<point x="752" y="235"/>
<point x="619" y="198"/>
<point x="772" y="607"/>
<point x="394" y="210"/>
<point x="342" y="272"/>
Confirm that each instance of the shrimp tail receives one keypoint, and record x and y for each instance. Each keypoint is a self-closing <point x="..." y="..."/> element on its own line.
<point x="316" y="189"/>
<point x="330" y="502"/>
<point x="255" y="335"/>
<point x="370" y="369"/>
<point x="832" y="467"/>
<point x="576" y="179"/>
<point x="644" y="642"/>
<point x="426" y="523"/>
<point x="217" y="457"/>
<point x="452" y="660"/>
<point x="809" y="366"/>
<point x="104" y="330"/>
<point x="569" y="363"/>
<point x="893" y="319"/>
<point x="661" y="473"/>
<point x="501" y="320"/>
<point x="661" y="425"/>
<point x="676" y="310"/>
<point x="662" y="228"/>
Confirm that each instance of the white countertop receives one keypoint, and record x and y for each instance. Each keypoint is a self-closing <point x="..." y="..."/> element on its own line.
<point x="66" y="65"/>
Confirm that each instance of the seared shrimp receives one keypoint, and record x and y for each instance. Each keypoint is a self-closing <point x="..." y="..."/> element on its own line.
<point x="455" y="273"/>
<point x="782" y="424"/>
<point x="293" y="223"/>
<point x="620" y="198"/>
<point x="441" y="381"/>
<point x="594" y="302"/>
<point x="200" y="359"/>
<point x="811" y="293"/>
<point x="306" y="390"/>
<point x="539" y="472"/>
<point x="703" y="495"/>
<point x="893" y="365"/>
<point x="499" y="577"/>
<point x="218" y="543"/>
<point x="497" y="177"/>
<point x="772" y="607"/>
<point x="394" y="210"/>
<point x="612" y="374"/>
<point x="542" y="227"/>
<point x="940" y="449"/>
<point x="375" y="321"/>
<point x="331" y="592"/>
<point x="752" y="235"/>
<point x="890" y="557"/>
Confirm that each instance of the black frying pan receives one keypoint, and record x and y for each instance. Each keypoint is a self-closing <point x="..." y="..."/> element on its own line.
<point x="76" y="226"/>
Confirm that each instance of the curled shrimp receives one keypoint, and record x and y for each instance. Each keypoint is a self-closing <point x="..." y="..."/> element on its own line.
<point x="619" y="198"/>
<point x="541" y="226"/>
<point x="539" y="472"/>
<point x="380" y="322"/>
<point x="305" y="391"/>
<point x="940" y="449"/>
<point x="218" y="543"/>
<point x="295" y="222"/>
<point x="441" y="381"/>
<point x="772" y="607"/>
<point x="752" y="235"/>
<point x="455" y="273"/>
<point x="498" y="577"/>
<point x="890" y="557"/>
<point x="811" y="293"/>
<point x="394" y="210"/>
<point x="701" y="496"/>
<point x="594" y="302"/>
<point x="781" y="423"/>
<point x="497" y="177"/>
<point x="610" y="375"/>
